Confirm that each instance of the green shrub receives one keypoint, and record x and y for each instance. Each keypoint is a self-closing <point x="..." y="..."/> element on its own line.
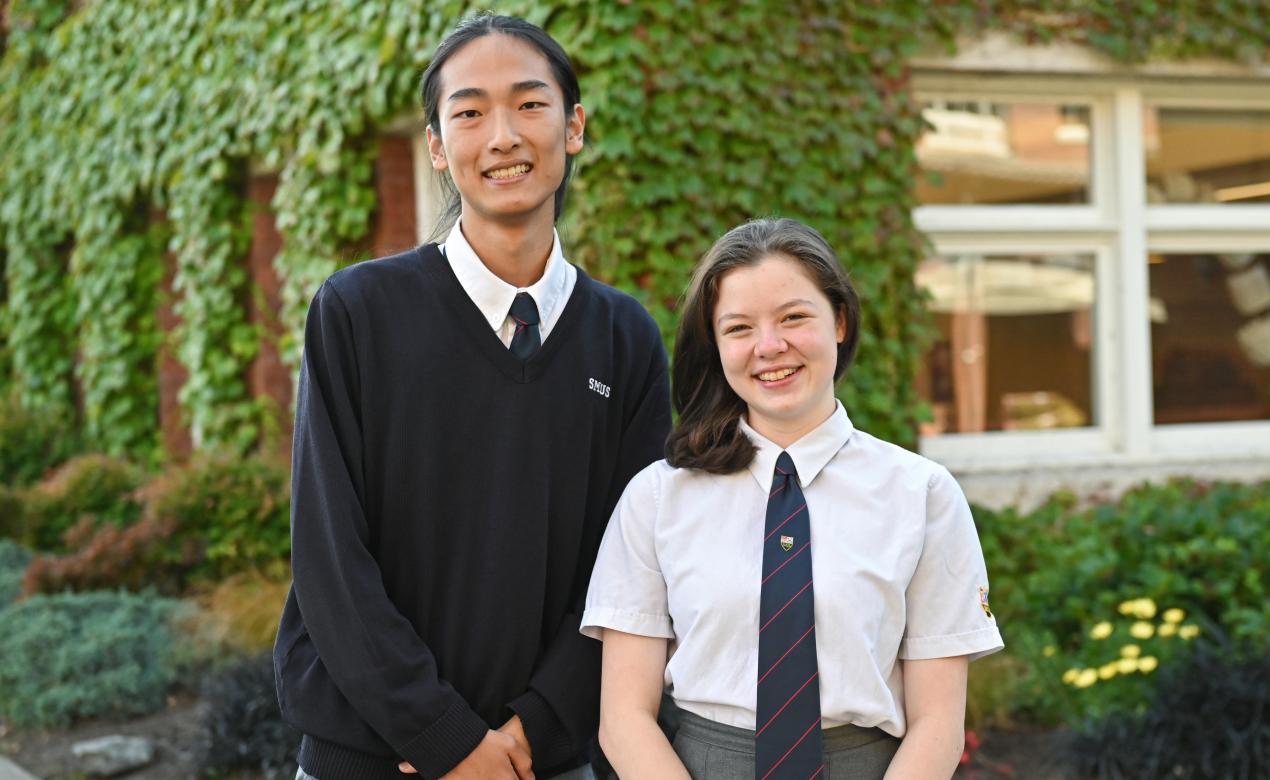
<point x="1209" y="717"/>
<point x="98" y="487"/>
<point x="14" y="559"/>
<point x="1060" y="570"/>
<point x="76" y="655"/>
<point x="201" y="522"/>
<point x="31" y="442"/>
<point x="238" y="509"/>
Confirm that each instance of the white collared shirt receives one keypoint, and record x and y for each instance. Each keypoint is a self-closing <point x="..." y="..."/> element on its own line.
<point x="897" y="568"/>
<point x="494" y="297"/>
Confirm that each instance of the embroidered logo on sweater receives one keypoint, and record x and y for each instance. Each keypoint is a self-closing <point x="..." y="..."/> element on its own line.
<point x="983" y="600"/>
<point x="598" y="387"/>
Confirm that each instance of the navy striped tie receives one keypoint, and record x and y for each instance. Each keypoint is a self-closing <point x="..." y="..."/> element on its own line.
<point x="788" y="742"/>
<point x="526" y="339"/>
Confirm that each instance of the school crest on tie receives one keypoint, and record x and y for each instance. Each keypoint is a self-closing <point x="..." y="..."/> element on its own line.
<point x="787" y="542"/>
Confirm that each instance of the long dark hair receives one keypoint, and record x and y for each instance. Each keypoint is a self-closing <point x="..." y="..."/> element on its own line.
<point x="467" y="31"/>
<point x="707" y="436"/>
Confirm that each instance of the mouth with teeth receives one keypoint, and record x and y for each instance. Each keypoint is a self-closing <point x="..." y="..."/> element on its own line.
<point x="778" y="374"/>
<point x="510" y="172"/>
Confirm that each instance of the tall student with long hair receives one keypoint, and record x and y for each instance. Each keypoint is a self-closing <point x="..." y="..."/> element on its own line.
<point x="468" y="415"/>
<point x="808" y="594"/>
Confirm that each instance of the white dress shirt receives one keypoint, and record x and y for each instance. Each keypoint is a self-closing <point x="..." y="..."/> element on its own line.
<point x="896" y="562"/>
<point x="494" y="297"/>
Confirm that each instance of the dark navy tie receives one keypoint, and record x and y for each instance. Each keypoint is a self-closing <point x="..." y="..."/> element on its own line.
<point x="788" y="742"/>
<point x="525" y="340"/>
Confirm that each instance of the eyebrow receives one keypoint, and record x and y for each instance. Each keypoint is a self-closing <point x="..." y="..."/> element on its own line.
<point x="782" y="307"/>
<point x="517" y="88"/>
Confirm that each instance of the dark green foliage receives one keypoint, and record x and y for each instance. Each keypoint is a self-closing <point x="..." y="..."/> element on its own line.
<point x="13" y="562"/>
<point x="31" y="442"/>
<point x="86" y="492"/>
<point x="200" y="522"/>
<point x="71" y="656"/>
<point x="1060" y="570"/>
<point x="244" y="723"/>
<point x="1209" y="718"/>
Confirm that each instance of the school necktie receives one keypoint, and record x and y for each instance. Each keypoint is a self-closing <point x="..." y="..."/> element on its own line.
<point x="787" y="739"/>
<point x="525" y="340"/>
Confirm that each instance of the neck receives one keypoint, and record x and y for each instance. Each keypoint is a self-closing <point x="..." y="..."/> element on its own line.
<point x="516" y="253"/>
<point x="783" y="433"/>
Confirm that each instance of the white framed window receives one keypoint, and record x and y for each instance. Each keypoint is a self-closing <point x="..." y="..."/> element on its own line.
<point x="1100" y="269"/>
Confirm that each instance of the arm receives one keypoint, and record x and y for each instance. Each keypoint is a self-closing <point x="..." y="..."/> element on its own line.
<point x="630" y="694"/>
<point x="372" y="652"/>
<point x="935" y="705"/>
<point x="559" y="712"/>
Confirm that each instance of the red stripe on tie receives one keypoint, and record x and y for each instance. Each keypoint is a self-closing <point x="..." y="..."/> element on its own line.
<point x="797" y="642"/>
<point x="786" y="563"/>
<point x="786" y="520"/>
<point x="779" y="489"/>
<point x="786" y="704"/>
<point x="791" y="750"/>
<point x="783" y="471"/>
<point x="782" y="609"/>
<point x="816" y="774"/>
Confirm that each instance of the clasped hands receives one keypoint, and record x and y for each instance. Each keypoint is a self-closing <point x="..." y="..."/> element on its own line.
<point x="502" y="755"/>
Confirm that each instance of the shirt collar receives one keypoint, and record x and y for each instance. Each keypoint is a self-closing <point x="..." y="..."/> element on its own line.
<point x="810" y="454"/>
<point x="491" y="294"/>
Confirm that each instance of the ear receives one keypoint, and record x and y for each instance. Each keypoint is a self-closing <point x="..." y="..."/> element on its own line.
<point x="573" y="131"/>
<point x="840" y="325"/>
<point x="436" y="151"/>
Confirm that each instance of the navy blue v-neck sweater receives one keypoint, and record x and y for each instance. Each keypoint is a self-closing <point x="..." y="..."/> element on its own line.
<point x="447" y="504"/>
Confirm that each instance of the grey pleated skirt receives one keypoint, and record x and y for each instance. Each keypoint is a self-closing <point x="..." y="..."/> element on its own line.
<point x="713" y="751"/>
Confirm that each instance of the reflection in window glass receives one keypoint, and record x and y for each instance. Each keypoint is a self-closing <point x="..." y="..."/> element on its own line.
<point x="1210" y="337"/>
<point x="1004" y="153"/>
<point x="1015" y="348"/>
<point x="1204" y="156"/>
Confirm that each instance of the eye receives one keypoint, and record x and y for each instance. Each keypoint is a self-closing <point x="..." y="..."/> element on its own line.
<point x="795" y="315"/>
<point x="735" y="328"/>
<point x="470" y="113"/>
<point x="533" y="104"/>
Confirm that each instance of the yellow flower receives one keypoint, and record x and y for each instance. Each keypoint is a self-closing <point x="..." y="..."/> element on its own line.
<point x="1142" y="630"/>
<point x="1127" y="665"/>
<point x="1100" y="631"/>
<point x="1070" y="676"/>
<point x="1189" y="631"/>
<point x="1144" y="609"/>
<point x="1127" y="607"/>
<point x="1049" y="650"/>
<point x="1168" y="629"/>
<point x="1174" y="615"/>
<point x="1086" y="678"/>
<point x="1107" y="671"/>
<point x="1130" y="651"/>
<point x="1147" y="664"/>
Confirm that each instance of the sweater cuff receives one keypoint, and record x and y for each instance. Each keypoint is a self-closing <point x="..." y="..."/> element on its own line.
<point x="548" y="740"/>
<point x="443" y="745"/>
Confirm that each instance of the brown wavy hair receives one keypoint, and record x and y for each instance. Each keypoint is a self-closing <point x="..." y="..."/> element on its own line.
<point x="707" y="436"/>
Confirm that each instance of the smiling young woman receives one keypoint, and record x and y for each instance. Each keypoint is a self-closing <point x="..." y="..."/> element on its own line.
<point x="822" y="590"/>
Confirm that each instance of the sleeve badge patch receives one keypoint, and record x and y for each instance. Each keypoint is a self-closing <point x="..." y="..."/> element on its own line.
<point x="983" y="601"/>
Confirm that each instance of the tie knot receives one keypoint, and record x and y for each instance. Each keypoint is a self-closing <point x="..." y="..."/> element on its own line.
<point x="784" y="468"/>
<point x="524" y="310"/>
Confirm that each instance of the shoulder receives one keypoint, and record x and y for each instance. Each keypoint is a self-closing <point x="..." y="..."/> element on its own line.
<point x="627" y="313"/>
<point x="899" y="464"/>
<point x="371" y="279"/>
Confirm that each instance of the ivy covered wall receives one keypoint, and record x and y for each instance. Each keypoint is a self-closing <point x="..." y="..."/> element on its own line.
<point x="127" y="128"/>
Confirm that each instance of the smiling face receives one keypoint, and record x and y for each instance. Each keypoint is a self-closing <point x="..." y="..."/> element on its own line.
<point x="778" y="339"/>
<point x="504" y="130"/>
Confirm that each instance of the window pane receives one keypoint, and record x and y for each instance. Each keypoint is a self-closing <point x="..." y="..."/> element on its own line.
<point x="1210" y="337"/>
<point x="1015" y="347"/>
<point x="1004" y="153"/>
<point x="1199" y="156"/>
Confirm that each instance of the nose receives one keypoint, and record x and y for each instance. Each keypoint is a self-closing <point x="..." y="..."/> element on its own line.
<point x="506" y="135"/>
<point x="769" y="344"/>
